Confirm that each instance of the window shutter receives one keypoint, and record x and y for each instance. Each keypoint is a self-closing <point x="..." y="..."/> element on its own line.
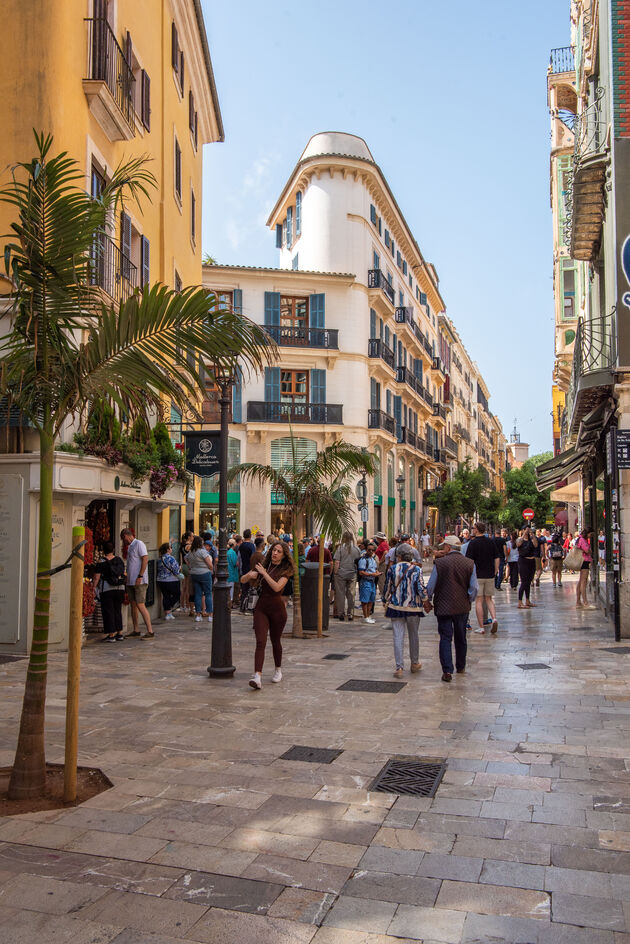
<point x="272" y="311"/>
<point x="375" y="260"/>
<point x="278" y="235"/>
<point x="145" y="85"/>
<point x="125" y="245"/>
<point x="272" y="384"/>
<point x="193" y="216"/>
<point x="298" y="213"/>
<point x="388" y="402"/>
<point x="318" y="311"/>
<point x="372" y="213"/>
<point x="144" y="260"/>
<point x="387" y="238"/>
<point x="237" y="398"/>
<point x="289" y="227"/>
<point x="404" y="267"/>
<point x="372" y="323"/>
<point x="373" y="394"/>
<point x="181" y="71"/>
<point x="423" y="298"/>
<point x="174" y="48"/>
<point x="398" y="414"/>
<point x="318" y="386"/>
<point x="129" y="50"/>
<point x="191" y="111"/>
<point x="196" y="127"/>
<point x="237" y="301"/>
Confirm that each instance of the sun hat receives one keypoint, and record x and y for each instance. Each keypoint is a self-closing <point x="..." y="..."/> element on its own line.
<point x="452" y="540"/>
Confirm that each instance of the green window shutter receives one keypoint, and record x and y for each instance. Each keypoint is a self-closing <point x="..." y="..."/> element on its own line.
<point x="318" y="386"/>
<point x="237" y="398"/>
<point x="278" y="235"/>
<point x="272" y="384"/>
<point x="372" y="213"/>
<point x="318" y="311"/>
<point x="272" y="310"/>
<point x="372" y="323"/>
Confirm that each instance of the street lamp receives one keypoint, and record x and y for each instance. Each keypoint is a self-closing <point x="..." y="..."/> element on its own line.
<point x="400" y="482"/>
<point x="221" y="654"/>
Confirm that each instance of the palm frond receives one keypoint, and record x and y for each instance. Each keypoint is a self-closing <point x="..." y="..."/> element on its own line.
<point x="253" y="473"/>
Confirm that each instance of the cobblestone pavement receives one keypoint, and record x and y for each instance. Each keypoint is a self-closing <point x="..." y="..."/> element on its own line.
<point x="209" y="836"/>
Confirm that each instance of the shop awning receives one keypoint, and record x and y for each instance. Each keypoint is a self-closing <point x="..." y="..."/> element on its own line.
<point x="594" y="423"/>
<point x="560" y="467"/>
<point x="570" y="493"/>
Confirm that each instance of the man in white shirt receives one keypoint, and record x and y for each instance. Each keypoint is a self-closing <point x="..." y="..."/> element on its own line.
<point x="137" y="582"/>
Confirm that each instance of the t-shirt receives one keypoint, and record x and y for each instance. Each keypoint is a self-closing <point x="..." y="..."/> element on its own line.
<point x="245" y="552"/>
<point x="482" y="551"/>
<point x="347" y="557"/>
<point x="102" y="568"/>
<point x="540" y="550"/>
<point x="167" y="569"/>
<point x="499" y="543"/>
<point x="232" y="562"/>
<point x="135" y="552"/>
<point x="367" y="564"/>
<point x="313" y="555"/>
<point x="196" y="561"/>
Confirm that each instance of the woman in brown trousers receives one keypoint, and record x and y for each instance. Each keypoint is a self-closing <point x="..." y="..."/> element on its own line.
<point x="270" y="612"/>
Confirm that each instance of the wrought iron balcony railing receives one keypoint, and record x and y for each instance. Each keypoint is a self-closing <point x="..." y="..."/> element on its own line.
<point x="111" y="269"/>
<point x="404" y="316"/>
<point x="287" y="336"/>
<point x="377" y="279"/>
<point x="404" y="375"/>
<point x="562" y="60"/>
<point x="408" y="436"/>
<point x="268" y="411"/>
<point x="378" y="348"/>
<point x="450" y="445"/>
<point x="107" y="63"/>
<point x="594" y="351"/>
<point x="378" y="419"/>
<point x="438" y="410"/>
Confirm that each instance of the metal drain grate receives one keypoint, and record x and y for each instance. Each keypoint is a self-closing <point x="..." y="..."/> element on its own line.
<point x="336" y="655"/>
<point x="365" y="685"/>
<point x="312" y="755"/>
<point x="410" y="776"/>
<point x="5" y="659"/>
<point x="618" y="650"/>
<point x="526" y="666"/>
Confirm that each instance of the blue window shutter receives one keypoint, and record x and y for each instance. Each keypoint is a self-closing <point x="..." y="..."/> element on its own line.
<point x="318" y="311"/>
<point x="380" y="328"/>
<point x="423" y="298"/>
<point x="387" y="335"/>
<point x="388" y="402"/>
<point x="237" y="398"/>
<point x="372" y="213"/>
<point x="372" y="323"/>
<point x="404" y="267"/>
<point x="380" y="226"/>
<point x="375" y="260"/>
<point x="387" y="238"/>
<point x="375" y="394"/>
<point x="398" y="414"/>
<point x="318" y="386"/>
<point x="144" y="260"/>
<point x="272" y="384"/>
<point x="278" y="235"/>
<point x="272" y="309"/>
<point x="237" y="301"/>
<point x="298" y="213"/>
<point x="289" y="227"/>
<point x="401" y="299"/>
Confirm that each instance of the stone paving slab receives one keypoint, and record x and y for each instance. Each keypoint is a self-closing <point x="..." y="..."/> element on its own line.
<point x="209" y="835"/>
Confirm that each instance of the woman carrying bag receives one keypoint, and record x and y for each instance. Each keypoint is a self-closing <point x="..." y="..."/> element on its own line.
<point x="169" y="579"/>
<point x="270" y="613"/>
<point x="580" y="558"/>
<point x="404" y="594"/>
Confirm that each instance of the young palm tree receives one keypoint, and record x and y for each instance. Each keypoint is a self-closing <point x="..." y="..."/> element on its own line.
<point x="65" y="348"/>
<point x="316" y="488"/>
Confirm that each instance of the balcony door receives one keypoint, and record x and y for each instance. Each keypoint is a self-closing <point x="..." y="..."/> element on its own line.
<point x="294" y="319"/>
<point x="294" y="392"/>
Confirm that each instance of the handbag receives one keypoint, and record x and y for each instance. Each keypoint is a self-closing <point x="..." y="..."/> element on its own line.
<point x="574" y="559"/>
<point x="252" y="598"/>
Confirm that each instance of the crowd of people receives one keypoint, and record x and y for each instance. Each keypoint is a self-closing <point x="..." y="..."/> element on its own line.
<point x="467" y="571"/>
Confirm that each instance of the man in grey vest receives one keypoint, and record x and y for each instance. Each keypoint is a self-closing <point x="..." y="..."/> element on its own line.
<point x="452" y="586"/>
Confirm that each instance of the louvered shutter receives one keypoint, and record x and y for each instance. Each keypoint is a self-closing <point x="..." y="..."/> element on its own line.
<point x="272" y="311"/>
<point x="146" y="100"/>
<point x="129" y="50"/>
<point x="237" y="398"/>
<point x="125" y="245"/>
<point x="237" y="301"/>
<point x="174" y="47"/>
<point x="144" y="260"/>
<point x="374" y="394"/>
<point x="181" y="71"/>
<point x="272" y="384"/>
<point x="372" y="323"/>
<point x="398" y="415"/>
<point x="278" y="235"/>
<point x="318" y="396"/>
<point x="318" y="311"/>
<point x="191" y="110"/>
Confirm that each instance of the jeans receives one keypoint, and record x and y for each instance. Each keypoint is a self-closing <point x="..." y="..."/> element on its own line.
<point x="202" y="586"/>
<point x="513" y="566"/>
<point x="398" y="625"/>
<point x="345" y="589"/>
<point x="498" y="580"/>
<point x="170" y="593"/>
<point x="452" y="628"/>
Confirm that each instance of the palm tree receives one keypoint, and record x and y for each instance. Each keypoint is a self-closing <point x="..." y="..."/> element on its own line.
<point x="66" y="348"/>
<point x="316" y="488"/>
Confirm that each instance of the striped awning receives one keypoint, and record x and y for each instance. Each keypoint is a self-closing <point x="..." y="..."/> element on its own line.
<point x="560" y="467"/>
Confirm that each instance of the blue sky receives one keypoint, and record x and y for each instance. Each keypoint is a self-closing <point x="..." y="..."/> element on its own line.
<point x="451" y="99"/>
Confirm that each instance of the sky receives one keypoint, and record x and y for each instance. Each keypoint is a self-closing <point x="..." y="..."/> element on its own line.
<point x="451" y="99"/>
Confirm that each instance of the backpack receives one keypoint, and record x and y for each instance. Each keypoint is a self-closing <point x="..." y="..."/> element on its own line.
<point x="115" y="572"/>
<point x="555" y="551"/>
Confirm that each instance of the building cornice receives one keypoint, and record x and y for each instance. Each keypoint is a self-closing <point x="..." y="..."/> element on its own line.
<point x="188" y="16"/>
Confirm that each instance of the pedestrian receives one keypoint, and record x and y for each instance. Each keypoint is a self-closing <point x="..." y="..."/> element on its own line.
<point x="483" y="552"/>
<point x="368" y="571"/>
<point x="233" y="571"/>
<point x="512" y="559"/>
<point x="345" y="572"/>
<point x="109" y="580"/>
<point x="245" y="551"/>
<point x="199" y="561"/>
<point x="426" y="542"/>
<point x="137" y="582"/>
<point x="500" y="541"/>
<point x="186" y="587"/>
<point x="584" y="544"/>
<point x="465" y="539"/>
<point x="270" y="614"/>
<point x="540" y="556"/>
<point x="452" y="587"/>
<point x="168" y="580"/>
<point x="526" y="566"/>
<point x="313" y="556"/>
<point x="404" y="594"/>
<point x="556" y="557"/>
<point x="601" y="549"/>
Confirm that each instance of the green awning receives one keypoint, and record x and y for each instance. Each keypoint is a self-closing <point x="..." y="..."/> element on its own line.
<point x="548" y="474"/>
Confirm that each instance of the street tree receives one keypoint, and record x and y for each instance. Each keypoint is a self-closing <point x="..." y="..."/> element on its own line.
<point x="65" y="347"/>
<point x="521" y="493"/>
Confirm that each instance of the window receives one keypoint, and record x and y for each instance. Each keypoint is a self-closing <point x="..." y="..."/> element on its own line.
<point x="97" y="183"/>
<point x="145" y="100"/>
<point x="398" y="259"/>
<point x="177" y="281"/>
<point x="376" y="260"/>
<point x="373" y="216"/>
<point x="387" y="239"/>
<point x="375" y="394"/>
<point x="177" y="58"/>
<point x="393" y="248"/>
<point x="278" y="235"/>
<point x="125" y="245"/>
<point x="178" y="171"/>
<point x="192" y="117"/>
<point x="568" y="291"/>
<point x="175" y="425"/>
<point x="294" y="312"/>
<point x="404" y="267"/>
<point x="298" y="214"/>
<point x="410" y="281"/>
<point x="295" y="262"/>
<point x="401" y="299"/>
<point x="294" y="386"/>
<point x="193" y="216"/>
<point x="144" y="261"/>
<point x="289" y="227"/>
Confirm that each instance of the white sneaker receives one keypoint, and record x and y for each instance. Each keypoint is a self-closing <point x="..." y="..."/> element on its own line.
<point x="368" y="619"/>
<point x="277" y="676"/>
<point x="256" y="680"/>
<point x="209" y="619"/>
<point x="481" y="631"/>
<point x="198" y="618"/>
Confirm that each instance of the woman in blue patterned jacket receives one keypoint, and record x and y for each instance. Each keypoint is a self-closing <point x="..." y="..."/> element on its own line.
<point x="404" y="593"/>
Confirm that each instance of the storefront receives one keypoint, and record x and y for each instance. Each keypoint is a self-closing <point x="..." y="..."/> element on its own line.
<point x="87" y="492"/>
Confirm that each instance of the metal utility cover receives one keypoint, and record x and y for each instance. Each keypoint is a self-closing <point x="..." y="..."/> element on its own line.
<point x="620" y="650"/>
<point x="336" y="655"/>
<point x="312" y="755"/>
<point x="532" y="665"/>
<point x="410" y="776"/>
<point x="365" y="685"/>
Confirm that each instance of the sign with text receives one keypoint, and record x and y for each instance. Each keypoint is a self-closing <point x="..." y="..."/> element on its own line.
<point x="623" y="448"/>
<point x="528" y="514"/>
<point x="202" y="452"/>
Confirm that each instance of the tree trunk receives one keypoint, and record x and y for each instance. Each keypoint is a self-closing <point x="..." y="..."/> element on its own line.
<point x="320" y="588"/>
<point x="297" y="596"/>
<point x="28" y="777"/>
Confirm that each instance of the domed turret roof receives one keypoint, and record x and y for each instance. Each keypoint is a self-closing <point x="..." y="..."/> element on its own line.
<point x="337" y="142"/>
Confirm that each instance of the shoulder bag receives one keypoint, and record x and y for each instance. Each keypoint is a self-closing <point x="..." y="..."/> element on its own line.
<point x="574" y="559"/>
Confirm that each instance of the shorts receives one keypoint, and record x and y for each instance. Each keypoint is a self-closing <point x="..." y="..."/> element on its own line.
<point x="486" y="586"/>
<point x="556" y="565"/>
<point x="539" y="563"/>
<point x="137" y="594"/>
<point x="367" y="591"/>
<point x="586" y="565"/>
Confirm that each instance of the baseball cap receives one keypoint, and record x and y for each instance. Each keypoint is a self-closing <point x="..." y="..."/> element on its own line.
<point x="452" y="540"/>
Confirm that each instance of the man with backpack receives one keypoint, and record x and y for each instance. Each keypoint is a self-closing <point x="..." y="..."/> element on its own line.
<point x="110" y="576"/>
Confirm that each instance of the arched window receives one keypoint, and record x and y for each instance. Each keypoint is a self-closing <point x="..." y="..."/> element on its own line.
<point x="391" y="490"/>
<point x="378" y="483"/>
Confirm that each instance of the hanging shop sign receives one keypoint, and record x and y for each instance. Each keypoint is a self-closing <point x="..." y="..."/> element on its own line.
<point x="202" y="452"/>
<point x="623" y="448"/>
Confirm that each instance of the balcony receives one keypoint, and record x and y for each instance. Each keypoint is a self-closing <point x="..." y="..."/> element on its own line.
<point x="109" y="86"/>
<point x="450" y="446"/>
<point x="586" y="199"/>
<point x="404" y="375"/>
<point x="378" y="348"/>
<point x="561" y="60"/>
<point x="259" y="411"/>
<point x="404" y="316"/>
<point x="288" y="336"/>
<point x="111" y="270"/>
<point x="594" y="361"/>
<point x="408" y="436"/>
<point x="462" y="432"/>
<point x="377" y="279"/>
<point x="438" y="410"/>
<point x="378" y="419"/>
<point x="438" y="366"/>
